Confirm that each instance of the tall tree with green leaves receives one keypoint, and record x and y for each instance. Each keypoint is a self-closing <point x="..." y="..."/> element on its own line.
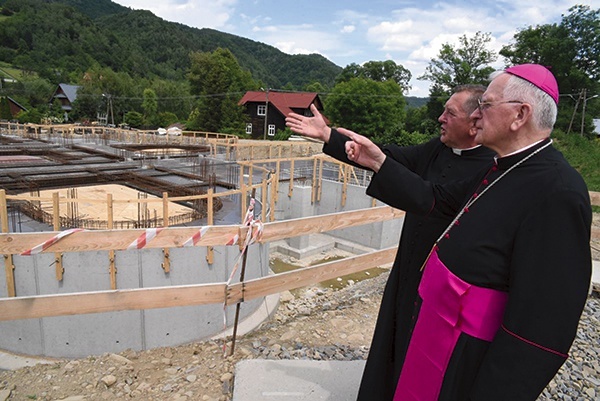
<point x="150" y="107"/>
<point x="371" y="108"/>
<point x="467" y="63"/>
<point x="98" y="85"/>
<point x="571" y="50"/>
<point x="219" y="82"/>
<point x="380" y="71"/>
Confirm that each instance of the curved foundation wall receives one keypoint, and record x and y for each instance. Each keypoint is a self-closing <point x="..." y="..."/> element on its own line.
<point x="94" y="334"/>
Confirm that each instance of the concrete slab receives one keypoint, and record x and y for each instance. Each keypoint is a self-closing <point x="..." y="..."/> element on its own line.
<point x="10" y="361"/>
<point x="297" y="380"/>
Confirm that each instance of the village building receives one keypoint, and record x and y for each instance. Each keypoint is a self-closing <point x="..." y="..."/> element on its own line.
<point x="267" y="110"/>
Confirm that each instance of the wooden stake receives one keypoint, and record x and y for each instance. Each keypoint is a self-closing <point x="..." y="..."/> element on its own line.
<point x="56" y="222"/>
<point x="112" y="269"/>
<point x="242" y="276"/>
<point x="9" y="268"/>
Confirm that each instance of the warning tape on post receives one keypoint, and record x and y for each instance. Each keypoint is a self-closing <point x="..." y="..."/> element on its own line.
<point x="143" y="239"/>
<point x="46" y="244"/>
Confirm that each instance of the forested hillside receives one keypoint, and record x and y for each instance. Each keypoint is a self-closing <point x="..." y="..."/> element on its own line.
<point x="60" y="40"/>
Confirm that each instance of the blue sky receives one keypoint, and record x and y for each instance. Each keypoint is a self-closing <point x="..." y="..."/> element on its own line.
<point x="355" y="31"/>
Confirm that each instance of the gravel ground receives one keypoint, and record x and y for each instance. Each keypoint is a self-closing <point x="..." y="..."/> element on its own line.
<point x="316" y="324"/>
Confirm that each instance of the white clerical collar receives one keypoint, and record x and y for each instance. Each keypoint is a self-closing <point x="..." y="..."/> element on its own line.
<point x="522" y="149"/>
<point x="459" y="151"/>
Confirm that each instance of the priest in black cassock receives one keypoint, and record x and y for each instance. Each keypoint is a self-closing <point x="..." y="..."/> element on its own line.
<point x="504" y="287"/>
<point x="453" y="155"/>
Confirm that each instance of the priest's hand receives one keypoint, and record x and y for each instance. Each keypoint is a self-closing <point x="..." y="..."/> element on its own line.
<point x="312" y="127"/>
<point x="362" y="150"/>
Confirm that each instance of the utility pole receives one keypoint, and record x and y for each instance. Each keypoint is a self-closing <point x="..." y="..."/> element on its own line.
<point x="266" y="114"/>
<point x="574" y="112"/>
<point x="585" y="99"/>
<point x="109" y="108"/>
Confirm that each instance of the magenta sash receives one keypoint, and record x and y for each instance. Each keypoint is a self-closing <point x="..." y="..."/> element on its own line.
<point x="450" y="307"/>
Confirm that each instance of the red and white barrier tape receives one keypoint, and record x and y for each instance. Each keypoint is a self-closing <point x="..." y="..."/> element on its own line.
<point x="193" y="240"/>
<point x="43" y="246"/>
<point x="254" y="234"/>
<point x="143" y="239"/>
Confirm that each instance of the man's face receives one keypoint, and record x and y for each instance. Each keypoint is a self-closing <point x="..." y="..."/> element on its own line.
<point x="493" y="118"/>
<point x="456" y="123"/>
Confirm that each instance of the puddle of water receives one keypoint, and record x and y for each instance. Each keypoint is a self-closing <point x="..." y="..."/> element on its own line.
<point x="279" y="266"/>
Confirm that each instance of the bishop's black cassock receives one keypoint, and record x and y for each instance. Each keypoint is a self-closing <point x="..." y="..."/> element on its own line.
<point x="435" y="162"/>
<point x="524" y="233"/>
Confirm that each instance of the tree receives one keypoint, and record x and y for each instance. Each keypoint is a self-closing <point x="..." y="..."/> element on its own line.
<point x="5" y="113"/>
<point x="150" y="107"/>
<point x="97" y="85"/>
<point x="220" y="82"/>
<point x="368" y="107"/>
<point x="583" y="26"/>
<point x="466" y="64"/>
<point x="134" y="119"/>
<point x="571" y="50"/>
<point x="380" y="71"/>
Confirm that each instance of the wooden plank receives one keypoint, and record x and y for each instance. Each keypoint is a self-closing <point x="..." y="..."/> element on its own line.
<point x="595" y="198"/>
<point x="328" y="222"/>
<point x="113" y="239"/>
<point x="210" y="253"/>
<point x="261" y="287"/>
<point x="111" y="301"/>
<point x="59" y="269"/>
<point x="112" y="269"/>
<point x="9" y="268"/>
<point x="174" y="237"/>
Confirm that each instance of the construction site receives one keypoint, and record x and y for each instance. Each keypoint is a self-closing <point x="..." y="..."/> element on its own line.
<point x="116" y="239"/>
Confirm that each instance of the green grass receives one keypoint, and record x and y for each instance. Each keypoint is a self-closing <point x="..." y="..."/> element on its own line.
<point x="9" y="71"/>
<point x="583" y="154"/>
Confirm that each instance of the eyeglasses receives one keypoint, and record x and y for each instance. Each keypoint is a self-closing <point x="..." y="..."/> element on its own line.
<point x="486" y="105"/>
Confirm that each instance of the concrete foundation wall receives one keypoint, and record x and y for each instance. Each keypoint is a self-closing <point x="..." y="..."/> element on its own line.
<point x="376" y="236"/>
<point x="92" y="334"/>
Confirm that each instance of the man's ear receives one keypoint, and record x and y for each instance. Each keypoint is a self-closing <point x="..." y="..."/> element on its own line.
<point x="523" y="116"/>
<point x="472" y="129"/>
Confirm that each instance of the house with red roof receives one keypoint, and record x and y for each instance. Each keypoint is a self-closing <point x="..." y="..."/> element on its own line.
<point x="266" y="110"/>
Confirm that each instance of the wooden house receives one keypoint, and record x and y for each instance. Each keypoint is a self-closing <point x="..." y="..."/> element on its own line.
<point x="13" y="108"/>
<point x="267" y="110"/>
<point x="66" y="95"/>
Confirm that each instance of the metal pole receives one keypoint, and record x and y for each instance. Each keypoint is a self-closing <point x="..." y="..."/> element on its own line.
<point x="583" y="111"/>
<point x="242" y="275"/>
<point x="266" y="115"/>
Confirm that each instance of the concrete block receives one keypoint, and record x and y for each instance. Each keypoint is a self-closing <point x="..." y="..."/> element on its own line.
<point x="297" y="380"/>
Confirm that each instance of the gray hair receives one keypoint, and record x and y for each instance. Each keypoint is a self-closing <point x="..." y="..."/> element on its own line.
<point x="544" y="107"/>
<point x="475" y="92"/>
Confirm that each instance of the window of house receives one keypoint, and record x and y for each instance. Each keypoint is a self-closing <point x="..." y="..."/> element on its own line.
<point x="262" y="109"/>
<point x="271" y="131"/>
<point x="248" y="129"/>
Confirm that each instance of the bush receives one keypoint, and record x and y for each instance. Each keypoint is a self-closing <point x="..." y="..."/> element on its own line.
<point x="583" y="154"/>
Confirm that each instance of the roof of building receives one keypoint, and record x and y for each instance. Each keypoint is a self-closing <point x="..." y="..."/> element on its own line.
<point x="282" y="101"/>
<point x="70" y="91"/>
<point x="13" y="101"/>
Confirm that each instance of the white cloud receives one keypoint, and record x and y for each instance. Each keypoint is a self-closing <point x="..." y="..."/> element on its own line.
<point x="299" y="39"/>
<point x="193" y="13"/>
<point x="410" y="33"/>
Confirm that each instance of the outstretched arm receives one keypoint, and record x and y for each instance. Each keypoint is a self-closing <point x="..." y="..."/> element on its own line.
<point x="362" y="150"/>
<point x="312" y="127"/>
<point x="359" y="149"/>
